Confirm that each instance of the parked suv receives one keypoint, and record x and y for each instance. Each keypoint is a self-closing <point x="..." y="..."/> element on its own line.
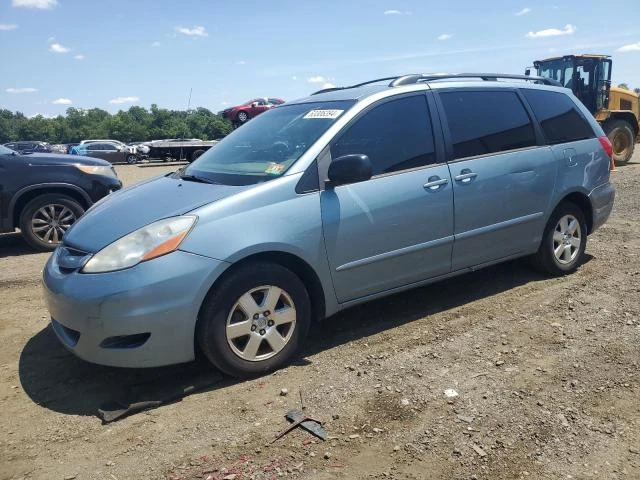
<point x="326" y="202"/>
<point x="107" y="150"/>
<point x="44" y="194"/>
<point x="30" y="147"/>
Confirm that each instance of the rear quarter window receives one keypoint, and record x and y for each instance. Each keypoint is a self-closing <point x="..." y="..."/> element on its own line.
<point x="486" y="122"/>
<point x="559" y="117"/>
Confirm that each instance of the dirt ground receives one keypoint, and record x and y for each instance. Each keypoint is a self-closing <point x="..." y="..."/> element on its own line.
<point x="546" y="372"/>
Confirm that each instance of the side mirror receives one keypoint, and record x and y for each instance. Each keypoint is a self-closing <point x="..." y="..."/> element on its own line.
<point x="527" y="72"/>
<point x="254" y="104"/>
<point x="350" y="169"/>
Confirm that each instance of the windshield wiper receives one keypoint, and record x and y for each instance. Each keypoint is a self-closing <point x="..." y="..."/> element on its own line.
<point x="195" y="178"/>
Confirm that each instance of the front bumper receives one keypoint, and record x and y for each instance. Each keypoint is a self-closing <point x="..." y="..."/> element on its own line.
<point x="152" y="308"/>
<point x="601" y="198"/>
<point x="103" y="186"/>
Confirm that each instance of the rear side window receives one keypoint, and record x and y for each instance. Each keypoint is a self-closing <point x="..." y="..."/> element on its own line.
<point x="486" y="122"/>
<point x="396" y="135"/>
<point x="559" y="117"/>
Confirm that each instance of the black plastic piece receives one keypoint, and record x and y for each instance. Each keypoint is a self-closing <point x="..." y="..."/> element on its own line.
<point x="350" y="169"/>
<point x="310" y="181"/>
<point x="125" y="341"/>
<point x="332" y="89"/>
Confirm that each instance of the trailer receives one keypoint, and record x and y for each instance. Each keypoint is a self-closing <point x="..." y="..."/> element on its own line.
<point x="178" y="148"/>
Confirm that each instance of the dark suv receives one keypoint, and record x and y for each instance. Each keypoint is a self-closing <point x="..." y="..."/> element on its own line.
<point x="44" y="194"/>
<point x="30" y="147"/>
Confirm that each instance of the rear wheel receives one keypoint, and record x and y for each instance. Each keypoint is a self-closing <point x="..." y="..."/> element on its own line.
<point x="255" y="320"/>
<point x="563" y="242"/>
<point x="45" y="220"/>
<point x="620" y="134"/>
<point x="132" y="158"/>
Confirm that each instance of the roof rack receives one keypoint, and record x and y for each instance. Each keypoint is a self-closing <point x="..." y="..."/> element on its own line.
<point x="420" y="77"/>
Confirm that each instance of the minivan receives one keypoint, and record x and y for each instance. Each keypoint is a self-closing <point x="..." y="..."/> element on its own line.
<point x="319" y="204"/>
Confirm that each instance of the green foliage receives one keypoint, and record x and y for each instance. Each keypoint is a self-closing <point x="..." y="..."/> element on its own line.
<point x="623" y="85"/>
<point x="135" y="124"/>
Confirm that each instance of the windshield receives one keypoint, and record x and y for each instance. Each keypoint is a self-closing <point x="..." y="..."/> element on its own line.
<point x="560" y="70"/>
<point x="6" y="151"/>
<point x="268" y="145"/>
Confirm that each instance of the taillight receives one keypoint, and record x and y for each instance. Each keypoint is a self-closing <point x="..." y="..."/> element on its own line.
<point x="606" y="145"/>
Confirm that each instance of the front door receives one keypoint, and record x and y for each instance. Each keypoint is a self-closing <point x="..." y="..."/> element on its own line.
<point x="12" y="176"/>
<point x="396" y="228"/>
<point x="502" y="180"/>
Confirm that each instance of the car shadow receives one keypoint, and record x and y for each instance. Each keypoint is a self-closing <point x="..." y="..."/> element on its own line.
<point x="55" y="379"/>
<point x="13" y="245"/>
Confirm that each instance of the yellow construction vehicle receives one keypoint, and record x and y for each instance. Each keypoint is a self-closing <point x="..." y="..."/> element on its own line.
<point x="589" y="77"/>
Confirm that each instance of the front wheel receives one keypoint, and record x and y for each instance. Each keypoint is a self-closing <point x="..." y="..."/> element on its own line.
<point x="132" y="159"/>
<point x="620" y="135"/>
<point x="255" y="320"/>
<point x="563" y="242"/>
<point x="195" y="155"/>
<point x="45" y="220"/>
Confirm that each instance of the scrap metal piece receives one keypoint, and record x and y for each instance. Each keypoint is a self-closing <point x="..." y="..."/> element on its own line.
<point x="148" y="399"/>
<point x="299" y="419"/>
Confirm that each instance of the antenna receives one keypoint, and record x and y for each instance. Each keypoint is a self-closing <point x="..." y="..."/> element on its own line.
<point x="185" y="123"/>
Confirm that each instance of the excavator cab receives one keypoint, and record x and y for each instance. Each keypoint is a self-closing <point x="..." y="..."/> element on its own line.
<point x="588" y="76"/>
<point x="616" y="109"/>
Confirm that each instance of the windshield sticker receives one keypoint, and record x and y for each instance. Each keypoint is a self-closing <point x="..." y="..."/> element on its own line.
<point x="274" y="169"/>
<point x="323" y="114"/>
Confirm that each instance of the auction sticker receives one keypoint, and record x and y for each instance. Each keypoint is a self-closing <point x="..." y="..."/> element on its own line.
<point x="274" y="169"/>
<point x="323" y="114"/>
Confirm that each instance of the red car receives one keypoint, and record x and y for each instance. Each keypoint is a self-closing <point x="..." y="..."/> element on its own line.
<point x="243" y="113"/>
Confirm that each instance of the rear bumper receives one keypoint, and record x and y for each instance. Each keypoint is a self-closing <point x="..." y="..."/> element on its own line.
<point x="144" y="316"/>
<point x="601" y="198"/>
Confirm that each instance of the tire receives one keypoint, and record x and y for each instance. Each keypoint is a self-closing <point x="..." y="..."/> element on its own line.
<point x="247" y="350"/>
<point x="40" y="232"/>
<point x="196" y="154"/>
<point x="620" y="134"/>
<point x="242" y="117"/>
<point x="131" y="158"/>
<point x="560" y="231"/>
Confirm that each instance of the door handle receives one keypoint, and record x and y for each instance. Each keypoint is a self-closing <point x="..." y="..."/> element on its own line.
<point x="465" y="176"/>
<point x="435" y="183"/>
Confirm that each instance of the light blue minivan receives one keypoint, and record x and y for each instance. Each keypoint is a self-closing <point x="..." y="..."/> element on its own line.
<point x="322" y="203"/>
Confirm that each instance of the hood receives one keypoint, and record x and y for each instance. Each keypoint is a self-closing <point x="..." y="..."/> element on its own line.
<point x="61" y="159"/>
<point x="127" y="210"/>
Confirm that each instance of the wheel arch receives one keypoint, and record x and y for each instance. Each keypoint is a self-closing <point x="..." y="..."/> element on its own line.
<point x="581" y="200"/>
<point x="624" y="115"/>
<point x="25" y="195"/>
<point x="297" y="265"/>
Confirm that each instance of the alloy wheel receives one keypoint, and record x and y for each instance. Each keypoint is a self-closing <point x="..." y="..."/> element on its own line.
<point x="567" y="238"/>
<point x="261" y="323"/>
<point x="50" y="222"/>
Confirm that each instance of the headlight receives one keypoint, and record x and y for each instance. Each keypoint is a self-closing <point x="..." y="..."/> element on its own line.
<point x="154" y="240"/>
<point x="97" y="170"/>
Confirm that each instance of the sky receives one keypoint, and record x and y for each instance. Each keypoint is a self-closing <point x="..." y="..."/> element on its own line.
<point x="113" y="54"/>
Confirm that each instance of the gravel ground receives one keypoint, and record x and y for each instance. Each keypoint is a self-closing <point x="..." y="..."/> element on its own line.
<point x="545" y="371"/>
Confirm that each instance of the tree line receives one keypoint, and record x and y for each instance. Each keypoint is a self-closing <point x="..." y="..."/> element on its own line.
<point x="626" y="87"/>
<point x="135" y="124"/>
